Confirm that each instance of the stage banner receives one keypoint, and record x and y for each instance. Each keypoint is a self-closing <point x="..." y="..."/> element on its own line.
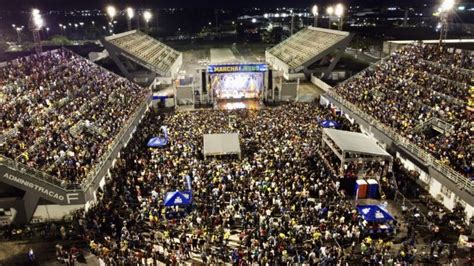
<point x="237" y="68"/>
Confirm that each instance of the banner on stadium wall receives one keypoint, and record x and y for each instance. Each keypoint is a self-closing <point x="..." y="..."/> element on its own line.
<point x="237" y="68"/>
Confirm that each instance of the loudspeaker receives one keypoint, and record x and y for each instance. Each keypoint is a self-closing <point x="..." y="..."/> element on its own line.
<point x="204" y="82"/>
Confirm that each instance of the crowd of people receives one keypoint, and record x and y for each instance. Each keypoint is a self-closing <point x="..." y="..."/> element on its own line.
<point x="413" y="86"/>
<point x="59" y="112"/>
<point x="279" y="204"/>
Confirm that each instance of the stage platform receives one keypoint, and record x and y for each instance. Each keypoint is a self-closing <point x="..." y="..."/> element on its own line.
<point x="231" y="104"/>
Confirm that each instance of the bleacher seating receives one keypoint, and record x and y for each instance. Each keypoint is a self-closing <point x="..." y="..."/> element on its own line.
<point x="59" y="112"/>
<point x="146" y="49"/>
<point x="414" y="86"/>
<point x="305" y="45"/>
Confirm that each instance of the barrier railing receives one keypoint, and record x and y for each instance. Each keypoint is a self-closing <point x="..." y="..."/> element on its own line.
<point x="461" y="181"/>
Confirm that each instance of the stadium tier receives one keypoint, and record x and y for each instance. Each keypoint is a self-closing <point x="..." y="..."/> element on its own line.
<point x="61" y="113"/>
<point x="146" y="51"/>
<point x="422" y="92"/>
<point x="306" y="47"/>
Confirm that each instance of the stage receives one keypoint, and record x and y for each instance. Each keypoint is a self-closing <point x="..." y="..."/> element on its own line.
<point x="232" y="104"/>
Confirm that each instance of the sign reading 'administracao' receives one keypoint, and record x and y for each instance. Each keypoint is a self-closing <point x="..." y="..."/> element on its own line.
<point x="237" y="68"/>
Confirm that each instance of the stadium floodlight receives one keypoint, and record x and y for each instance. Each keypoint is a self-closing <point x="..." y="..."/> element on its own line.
<point x="315" y="12"/>
<point x="130" y="13"/>
<point x="445" y="9"/>
<point x="447" y="5"/>
<point x="147" y="16"/>
<point x="111" y="12"/>
<point x="330" y="10"/>
<point x="18" y="31"/>
<point x="35" y="24"/>
<point x="339" y="13"/>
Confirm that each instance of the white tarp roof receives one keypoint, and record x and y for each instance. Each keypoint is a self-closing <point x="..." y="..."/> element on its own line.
<point x="220" y="144"/>
<point x="355" y="142"/>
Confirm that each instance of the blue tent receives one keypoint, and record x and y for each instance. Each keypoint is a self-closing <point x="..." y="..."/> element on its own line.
<point x="374" y="213"/>
<point x="329" y="123"/>
<point x="178" y="198"/>
<point x="159" y="142"/>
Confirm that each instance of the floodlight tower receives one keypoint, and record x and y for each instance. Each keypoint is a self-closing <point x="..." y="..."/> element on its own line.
<point x="130" y="15"/>
<point x="18" y="30"/>
<point x="330" y="12"/>
<point x="444" y="12"/>
<point x="339" y="11"/>
<point x="147" y="16"/>
<point x="315" y="12"/>
<point x="111" y="13"/>
<point x="35" y="23"/>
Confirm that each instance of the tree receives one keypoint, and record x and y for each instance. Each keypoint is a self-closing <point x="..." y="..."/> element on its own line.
<point x="60" y="40"/>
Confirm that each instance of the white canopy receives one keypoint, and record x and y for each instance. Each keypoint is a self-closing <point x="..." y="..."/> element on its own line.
<point x="354" y="142"/>
<point x="221" y="144"/>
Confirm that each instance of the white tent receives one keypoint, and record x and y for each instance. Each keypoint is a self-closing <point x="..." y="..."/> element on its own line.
<point x="221" y="144"/>
<point x="351" y="146"/>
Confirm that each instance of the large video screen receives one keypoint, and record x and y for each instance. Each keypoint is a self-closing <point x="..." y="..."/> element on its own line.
<point x="237" y="85"/>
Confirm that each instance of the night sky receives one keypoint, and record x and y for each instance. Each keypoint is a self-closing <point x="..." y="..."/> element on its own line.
<point x="70" y="4"/>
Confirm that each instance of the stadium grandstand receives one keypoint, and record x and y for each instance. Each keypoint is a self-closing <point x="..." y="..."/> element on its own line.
<point x="159" y="59"/>
<point x="302" y="50"/>
<point x="61" y="116"/>
<point x="420" y="97"/>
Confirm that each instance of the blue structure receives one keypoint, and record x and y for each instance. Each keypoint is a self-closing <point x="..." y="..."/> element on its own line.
<point x="178" y="198"/>
<point x="373" y="213"/>
<point x="329" y="124"/>
<point x="159" y="142"/>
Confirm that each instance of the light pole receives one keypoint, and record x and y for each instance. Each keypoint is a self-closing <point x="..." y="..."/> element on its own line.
<point x="111" y="12"/>
<point x="18" y="31"/>
<point x="339" y="13"/>
<point x="147" y="16"/>
<point x="130" y="15"/>
<point x="315" y="12"/>
<point x="35" y="24"/>
<point x="330" y="12"/>
<point x="444" y="12"/>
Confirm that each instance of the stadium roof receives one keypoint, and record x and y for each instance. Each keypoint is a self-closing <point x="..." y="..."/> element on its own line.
<point x="307" y="46"/>
<point x="145" y="51"/>
<point x="221" y="144"/>
<point x="355" y="142"/>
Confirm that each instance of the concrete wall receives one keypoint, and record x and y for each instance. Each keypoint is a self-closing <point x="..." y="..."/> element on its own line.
<point x="54" y="212"/>
<point x="320" y="84"/>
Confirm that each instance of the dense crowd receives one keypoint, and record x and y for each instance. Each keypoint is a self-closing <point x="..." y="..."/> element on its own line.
<point x="59" y="112"/>
<point x="280" y="204"/>
<point x="414" y="85"/>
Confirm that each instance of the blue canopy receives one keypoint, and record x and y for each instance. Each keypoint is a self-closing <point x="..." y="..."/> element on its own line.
<point x="178" y="198"/>
<point x="159" y="142"/>
<point x="374" y="213"/>
<point x="329" y="123"/>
